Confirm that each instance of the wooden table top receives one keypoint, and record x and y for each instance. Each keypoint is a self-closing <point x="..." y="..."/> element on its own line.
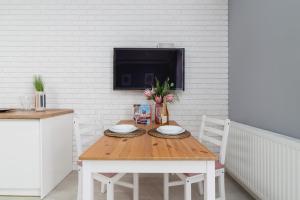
<point x="146" y="147"/>
<point x="22" y="114"/>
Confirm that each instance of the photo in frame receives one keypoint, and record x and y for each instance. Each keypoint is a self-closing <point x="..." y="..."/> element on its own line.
<point x="142" y="113"/>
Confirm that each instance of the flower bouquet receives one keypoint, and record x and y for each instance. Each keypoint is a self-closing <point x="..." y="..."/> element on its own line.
<point x="160" y="93"/>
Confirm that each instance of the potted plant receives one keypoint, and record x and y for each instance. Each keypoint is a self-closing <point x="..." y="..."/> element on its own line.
<point x="40" y="96"/>
<point x="160" y="93"/>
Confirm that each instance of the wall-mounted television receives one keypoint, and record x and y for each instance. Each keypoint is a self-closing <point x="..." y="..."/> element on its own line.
<point x="137" y="68"/>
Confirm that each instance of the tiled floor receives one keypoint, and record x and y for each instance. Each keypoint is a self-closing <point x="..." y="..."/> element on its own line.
<point x="150" y="189"/>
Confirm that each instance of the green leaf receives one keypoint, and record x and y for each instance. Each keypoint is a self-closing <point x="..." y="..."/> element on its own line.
<point x="38" y="83"/>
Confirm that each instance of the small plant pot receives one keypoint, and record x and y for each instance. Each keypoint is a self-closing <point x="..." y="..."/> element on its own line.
<point x="40" y="101"/>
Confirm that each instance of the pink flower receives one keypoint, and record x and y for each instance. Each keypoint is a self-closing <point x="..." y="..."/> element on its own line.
<point x="170" y="98"/>
<point x="158" y="99"/>
<point x="147" y="93"/>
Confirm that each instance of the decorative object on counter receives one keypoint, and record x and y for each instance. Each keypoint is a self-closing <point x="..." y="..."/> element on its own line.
<point x="142" y="113"/>
<point x="40" y="96"/>
<point x="135" y="133"/>
<point x="26" y="102"/>
<point x="153" y="132"/>
<point x="161" y="95"/>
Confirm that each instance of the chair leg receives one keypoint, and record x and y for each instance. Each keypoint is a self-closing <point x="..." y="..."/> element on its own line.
<point x="187" y="190"/>
<point x="221" y="182"/>
<point x="201" y="187"/>
<point x="135" y="186"/>
<point x="166" y="187"/>
<point x="205" y="186"/>
<point x="79" y="185"/>
<point x="110" y="191"/>
<point x="102" y="188"/>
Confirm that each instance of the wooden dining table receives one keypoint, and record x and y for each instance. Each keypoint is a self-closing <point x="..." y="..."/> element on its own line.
<point x="147" y="154"/>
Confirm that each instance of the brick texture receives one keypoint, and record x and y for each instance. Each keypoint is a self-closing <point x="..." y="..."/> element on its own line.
<point x="70" y="42"/>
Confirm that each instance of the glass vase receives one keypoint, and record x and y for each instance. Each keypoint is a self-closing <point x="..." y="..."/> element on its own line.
<point x="158" y="107"/>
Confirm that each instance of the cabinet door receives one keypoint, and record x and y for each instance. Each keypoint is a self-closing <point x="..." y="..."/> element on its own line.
<point x="56" y="148"/>
<point x="19" y="157"/>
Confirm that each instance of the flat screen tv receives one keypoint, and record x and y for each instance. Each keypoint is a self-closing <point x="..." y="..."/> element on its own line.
<point x="137" y="68"/>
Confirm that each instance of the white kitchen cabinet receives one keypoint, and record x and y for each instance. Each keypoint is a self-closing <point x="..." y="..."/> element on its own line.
<point x="35" y="151"/>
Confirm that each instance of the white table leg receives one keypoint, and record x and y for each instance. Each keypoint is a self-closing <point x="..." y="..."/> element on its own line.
<point x="87" y="186"/>
<point x="209" y="185"/>
<point x="135" y="186"/>
<point x="166" y="187"/>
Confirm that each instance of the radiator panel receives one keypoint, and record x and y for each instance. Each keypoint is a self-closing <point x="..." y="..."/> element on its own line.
<point x="266" y="163"/>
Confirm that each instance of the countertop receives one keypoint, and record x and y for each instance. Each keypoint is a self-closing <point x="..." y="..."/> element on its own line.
<point x="22" y="114"/>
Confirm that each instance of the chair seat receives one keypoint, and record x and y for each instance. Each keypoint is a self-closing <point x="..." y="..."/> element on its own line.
<point x="108" y="175"/>
<point x="218" y="165"/>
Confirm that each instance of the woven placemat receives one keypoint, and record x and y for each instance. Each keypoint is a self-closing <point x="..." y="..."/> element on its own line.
<point x="135" y="133"/>
<point x="153" y="132"/>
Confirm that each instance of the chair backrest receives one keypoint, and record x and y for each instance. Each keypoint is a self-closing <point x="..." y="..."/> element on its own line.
<point x="84" y="127"/>
<point x="215" y="131"/>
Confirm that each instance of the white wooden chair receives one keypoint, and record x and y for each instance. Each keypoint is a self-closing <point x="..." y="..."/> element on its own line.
<point x="215" y="132"/>
<point x="108" y="179"/>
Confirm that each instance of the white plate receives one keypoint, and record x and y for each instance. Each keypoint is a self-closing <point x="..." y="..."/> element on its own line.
<point x="123" y="128"/>
<point x="170" y="130"/>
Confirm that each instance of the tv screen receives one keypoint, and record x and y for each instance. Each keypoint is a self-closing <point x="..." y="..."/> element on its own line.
<point x="137" y="68"/>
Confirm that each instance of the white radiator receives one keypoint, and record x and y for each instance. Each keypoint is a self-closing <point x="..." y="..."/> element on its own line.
<point x="265" y="163"/>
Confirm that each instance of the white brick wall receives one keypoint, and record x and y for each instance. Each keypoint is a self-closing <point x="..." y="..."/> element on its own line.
<point x="70" y="42"/>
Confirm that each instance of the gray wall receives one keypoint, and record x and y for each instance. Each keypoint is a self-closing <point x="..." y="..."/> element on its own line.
<point x="264" y="64"/>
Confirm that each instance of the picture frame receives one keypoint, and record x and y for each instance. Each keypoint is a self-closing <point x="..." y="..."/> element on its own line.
<point x="142" y="114"/>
